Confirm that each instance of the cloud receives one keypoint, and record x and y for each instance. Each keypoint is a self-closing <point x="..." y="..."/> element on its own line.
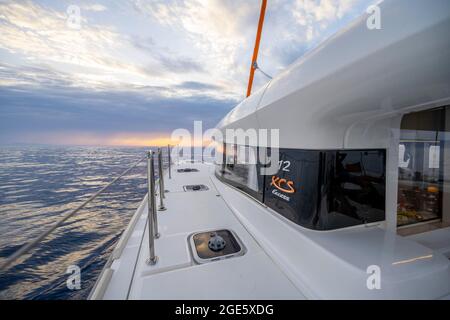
<point x="169" y="60"/>
<point x="32" y="76"/>
<point x="25" y="111"/>
<point x="193" y="85"/>
<point x="317" y="15"/>
<point x="146" y="65"/>
<point x="95" y="7"/>
<point x="180" y="64"/>
<point x="42" y="33"/>
<point x="220" y="32"/>
<point x="89" y="53"/>
<point x="199" y="40"/>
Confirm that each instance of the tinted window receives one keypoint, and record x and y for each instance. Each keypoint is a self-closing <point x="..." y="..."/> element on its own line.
<point x="293" y="191"/>
<point x="424" y="154"/>
<point x="241" y="170"/>
<point x="352" y="188"/>
<point x="321" y="190"/>
<point x="327" y="190"/>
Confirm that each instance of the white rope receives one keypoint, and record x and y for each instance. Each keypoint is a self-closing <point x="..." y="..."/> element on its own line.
<point x="255" y="65"/>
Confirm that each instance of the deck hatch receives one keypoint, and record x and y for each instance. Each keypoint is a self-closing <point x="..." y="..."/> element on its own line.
<point x="195" y="188"/>
<point x="185" y="170"/>
<point x="201" y="245"/>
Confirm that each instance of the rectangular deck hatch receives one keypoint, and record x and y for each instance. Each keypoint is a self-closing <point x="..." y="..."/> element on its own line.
<point x="195" y="188"/>
<point x="185" y="170"/>
<point x="215" y="245"/>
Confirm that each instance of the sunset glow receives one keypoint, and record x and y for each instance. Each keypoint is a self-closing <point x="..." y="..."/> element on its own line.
<point x="130" y="72"/>
<point x="117" y="139"/>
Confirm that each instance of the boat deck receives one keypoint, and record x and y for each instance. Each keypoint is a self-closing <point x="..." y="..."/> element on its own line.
<point x="176" y="275"/>
<point x="281" y="261"/>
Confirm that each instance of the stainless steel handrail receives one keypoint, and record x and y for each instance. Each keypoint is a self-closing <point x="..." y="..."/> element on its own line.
<point x="161" y="182"/>
<point x="27" y="247"/>
<point x="152" y="214"/>
<point x="170" y="161"/>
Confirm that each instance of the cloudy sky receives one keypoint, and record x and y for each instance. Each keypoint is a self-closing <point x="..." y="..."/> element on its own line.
<point x="131" y="71"/>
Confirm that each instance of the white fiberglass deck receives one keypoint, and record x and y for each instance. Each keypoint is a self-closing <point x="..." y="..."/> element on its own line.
<point x="176" y="276"/>
<point x="282" y="260"/>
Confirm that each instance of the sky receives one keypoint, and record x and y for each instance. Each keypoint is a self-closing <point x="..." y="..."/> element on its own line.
<point x="129" y="72"/>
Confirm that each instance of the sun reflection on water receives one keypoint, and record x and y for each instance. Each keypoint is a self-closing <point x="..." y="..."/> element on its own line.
<point x="38" y="185"/>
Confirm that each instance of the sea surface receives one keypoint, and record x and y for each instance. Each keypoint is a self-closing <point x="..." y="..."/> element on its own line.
<point x="38" y="186"/>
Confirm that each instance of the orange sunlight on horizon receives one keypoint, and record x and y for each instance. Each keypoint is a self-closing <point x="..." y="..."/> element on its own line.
<point x="136" y="141"/>
<point x="117" y="139"/>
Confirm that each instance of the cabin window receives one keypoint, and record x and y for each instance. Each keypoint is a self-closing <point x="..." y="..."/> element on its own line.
<point x="294" y="190"/>
<point x="326" y="190"/>
<point x="240" y="169"/>
<point x="424" y="170"/>
<point x="219" y="159"/>
<point x="317" y="189"/>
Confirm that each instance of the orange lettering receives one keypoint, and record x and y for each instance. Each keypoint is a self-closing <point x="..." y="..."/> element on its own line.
<point x="278" y="182"/>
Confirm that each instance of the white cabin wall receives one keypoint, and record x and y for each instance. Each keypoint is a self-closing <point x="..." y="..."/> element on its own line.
<point x="243" y="116"/>
<point x="356" y="75"/>
<point x="300" y="119"/>
<point x="351" y="92"/>
<point x="392" y="178"/>
<point x="380" y="85"/>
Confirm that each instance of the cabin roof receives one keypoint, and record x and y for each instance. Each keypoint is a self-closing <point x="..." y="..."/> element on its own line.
<point x="358" y="77"/>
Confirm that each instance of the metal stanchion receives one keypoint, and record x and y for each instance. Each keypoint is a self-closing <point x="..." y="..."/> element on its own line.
<point x="161" y="182"/>
<point x="151" y="201"/>
<point x="170" y="161"/>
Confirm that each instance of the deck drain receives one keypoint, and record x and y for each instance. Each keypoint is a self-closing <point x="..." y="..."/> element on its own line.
<point x="215" y="245"/>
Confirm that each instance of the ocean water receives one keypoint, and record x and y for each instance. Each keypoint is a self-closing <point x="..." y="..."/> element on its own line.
<point x="38" y="185"/>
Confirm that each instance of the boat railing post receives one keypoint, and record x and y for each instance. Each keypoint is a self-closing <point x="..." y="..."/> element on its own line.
<point x="170" y="161"/>
<point x="203" y="151"/>
<point x="151" y="201"/>
<point x="161" y="181"/>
